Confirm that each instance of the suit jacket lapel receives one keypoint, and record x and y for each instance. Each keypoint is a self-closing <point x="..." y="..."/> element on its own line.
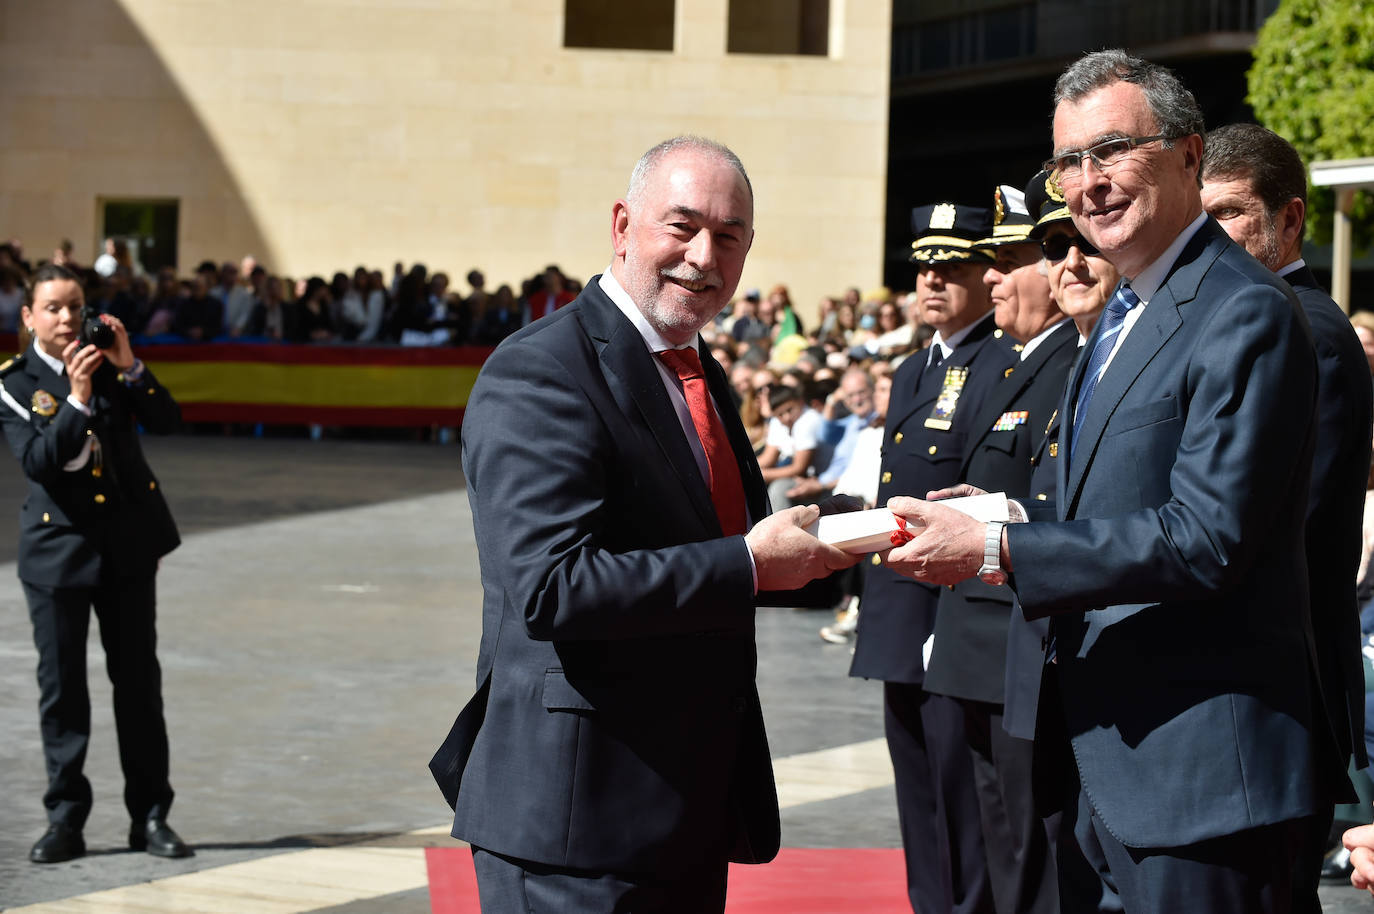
<point x="1303" y="278"/>
<point x="1065" y="421"/>
<point x="1160" y="321"/>
<point x="637" y="386"/>
<point x="999" y="398"/>
<point x="920" y="397"/>
<point x="929" y="384"/>
<point x="1014" y="383"/>
<point x="46" y="379"/>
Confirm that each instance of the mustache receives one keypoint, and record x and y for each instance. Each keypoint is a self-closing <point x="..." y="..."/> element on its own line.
<point x="685" y="273"/>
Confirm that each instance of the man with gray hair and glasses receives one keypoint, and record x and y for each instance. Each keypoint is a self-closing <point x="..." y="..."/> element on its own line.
<point x="1179" y="727"/>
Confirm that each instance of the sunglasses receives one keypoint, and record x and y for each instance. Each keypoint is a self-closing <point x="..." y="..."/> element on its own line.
<point x="1057" y="247"/>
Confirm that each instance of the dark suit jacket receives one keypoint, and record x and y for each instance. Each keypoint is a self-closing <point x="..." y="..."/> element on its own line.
<point x="1177" y="576"/>
<point x="970" y="654"/>
<point x="1335" y="507"/>
<point x="1027" y="638"/>
<point x="898" y="614"/>
<point x="106" y="517"/>
<point x="616" y="725"/>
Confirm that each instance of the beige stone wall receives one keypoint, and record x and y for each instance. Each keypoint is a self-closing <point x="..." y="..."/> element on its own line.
<point x="318" y="134"/>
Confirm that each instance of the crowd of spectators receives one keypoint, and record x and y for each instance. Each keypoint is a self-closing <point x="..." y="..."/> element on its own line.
<point x="763" y="345"/>
<point x="761" y="340"/>
<point x="245" y="301"/>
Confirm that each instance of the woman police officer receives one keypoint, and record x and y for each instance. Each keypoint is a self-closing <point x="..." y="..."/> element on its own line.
<point x="92" y="530"/>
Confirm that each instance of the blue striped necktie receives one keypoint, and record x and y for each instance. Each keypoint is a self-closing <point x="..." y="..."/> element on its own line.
<point x="1112" y="321"/>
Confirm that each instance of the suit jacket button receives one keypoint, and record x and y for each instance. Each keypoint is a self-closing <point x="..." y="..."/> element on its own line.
<point x="932" y="450"/>
<point x="897" y="438"/>
<point x="151" y="485"/>
<point x="887" y="477"/>
<point x="47" y="517"/>
<point x="99" y="498"/>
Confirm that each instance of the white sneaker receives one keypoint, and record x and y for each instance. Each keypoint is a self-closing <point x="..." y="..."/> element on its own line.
<point x="844" y="627"/>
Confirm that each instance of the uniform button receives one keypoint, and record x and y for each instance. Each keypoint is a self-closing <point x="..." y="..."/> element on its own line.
<point x="89" y="433"/>
<point x="997" y="334"/>
<point x="877" y="560"/>
<point x="887" y="477"/>
<point x="150" y="391"/>
<point x="897" y="439"/>
<point x="95" y="471"/>
<point x="151" y="485"/>
<point x="99" y="498"/>
<point x="933" y="449"/>
<point x="47" y="518"/>
<point x="1042" y="497"/>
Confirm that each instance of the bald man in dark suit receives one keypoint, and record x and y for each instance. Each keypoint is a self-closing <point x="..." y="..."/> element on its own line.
<point x="614" y="756"/>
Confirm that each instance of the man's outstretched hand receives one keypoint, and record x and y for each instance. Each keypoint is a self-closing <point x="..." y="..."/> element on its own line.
<point x="786" y="556"/>
<point x="948" y="547"/>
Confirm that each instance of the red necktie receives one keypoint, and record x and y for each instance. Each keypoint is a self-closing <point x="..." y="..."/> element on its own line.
<point x="727" y="491"/>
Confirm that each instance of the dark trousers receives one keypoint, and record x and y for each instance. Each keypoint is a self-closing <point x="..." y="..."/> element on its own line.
<point x="126" y="610"/>
<point x="1307" y="873"/>
<point x="506" y="885"/>
<point x="937" y="802"/>
<point x="1020" y="854"/>
<point x="1249" y="871"/>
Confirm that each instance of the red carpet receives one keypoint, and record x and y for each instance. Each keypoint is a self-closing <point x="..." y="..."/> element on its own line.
<point x="801" y="881"/>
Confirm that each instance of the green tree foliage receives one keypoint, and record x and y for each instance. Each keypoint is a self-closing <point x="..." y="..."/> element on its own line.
<point x="1312" y="83"/>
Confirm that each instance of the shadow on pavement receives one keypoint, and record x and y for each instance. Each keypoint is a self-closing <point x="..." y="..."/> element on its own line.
<point x="212" y="482"/>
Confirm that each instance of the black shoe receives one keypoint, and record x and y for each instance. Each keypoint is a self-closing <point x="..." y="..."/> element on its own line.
<point x="1337" y="865"/>
<point x="157" y="838"/>
<point x="59" y="842"/>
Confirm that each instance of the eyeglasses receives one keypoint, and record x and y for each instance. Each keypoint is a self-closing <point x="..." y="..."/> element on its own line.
<point x="1056" y="247"/>
<point x="1105" y="155"/>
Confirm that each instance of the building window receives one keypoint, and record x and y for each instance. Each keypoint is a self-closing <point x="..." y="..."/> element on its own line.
<point x="635" y="25"/>
<point x="149" y="227"/>
<point x="779" y="27"/>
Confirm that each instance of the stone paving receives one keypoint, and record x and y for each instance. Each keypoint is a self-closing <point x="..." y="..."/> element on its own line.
<point x="318" y="631"/>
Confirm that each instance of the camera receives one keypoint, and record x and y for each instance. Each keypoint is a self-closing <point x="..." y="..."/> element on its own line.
<point x="94" y="331"/>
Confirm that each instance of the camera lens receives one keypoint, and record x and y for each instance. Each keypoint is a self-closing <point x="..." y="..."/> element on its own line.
<point x="94" y="331"/>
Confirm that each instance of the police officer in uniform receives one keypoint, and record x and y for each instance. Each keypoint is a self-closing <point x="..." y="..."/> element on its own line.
<point x="936" y="395"/>
<point x="92" y="530"/>
<point x="970" y="649"/>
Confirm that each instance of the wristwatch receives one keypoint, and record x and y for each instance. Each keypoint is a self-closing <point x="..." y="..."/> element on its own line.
<point x="991" y="572"/>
